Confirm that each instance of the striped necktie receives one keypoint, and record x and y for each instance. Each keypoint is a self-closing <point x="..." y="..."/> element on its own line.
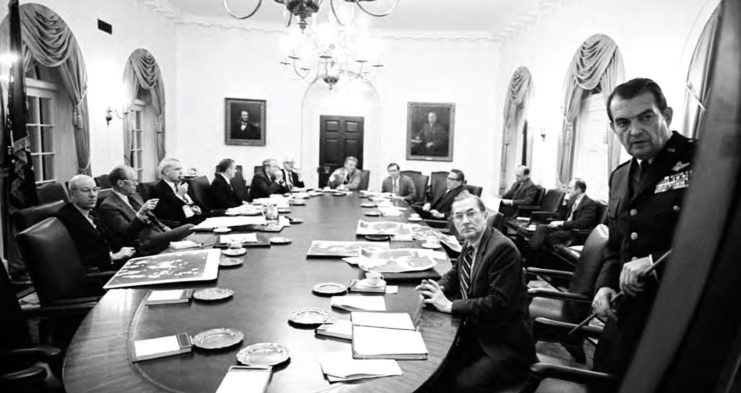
<point x="465" y="272"/>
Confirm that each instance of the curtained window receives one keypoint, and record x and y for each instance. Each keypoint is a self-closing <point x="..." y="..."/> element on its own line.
<point x="517" y="142"/>
<point x="596" y="64"/>
<point x="698" y="78"/>
<point x="143" y="85"/>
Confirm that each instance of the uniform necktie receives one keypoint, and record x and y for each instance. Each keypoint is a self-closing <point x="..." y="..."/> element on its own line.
<point x="465" y="273"/>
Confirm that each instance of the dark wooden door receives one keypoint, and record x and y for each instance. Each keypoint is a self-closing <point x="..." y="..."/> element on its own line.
<point x="339" y="137"/>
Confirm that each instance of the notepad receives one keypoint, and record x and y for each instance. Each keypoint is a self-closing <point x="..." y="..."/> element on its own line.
<point x="245" y="379"/>
<point x="340" y="366"/>
<point x="184" y="244"/>
<point x="341" y="329"/>
<point x="239" y="237"/>
<point x="389" y="320"/>
<point x="162" y="346"/>
<point x="359" y="303"/>
<point x="169" y="296"/>
<point x="382" y="343"/>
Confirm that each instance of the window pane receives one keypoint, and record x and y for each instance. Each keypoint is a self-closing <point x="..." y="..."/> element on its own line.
<point x="45" y="111"/>
<point x="138" y="122"/>
<point x="34" y="134"/>
<point x="33" y="109"/>
<point x="46" y="139"/>
<point x="48" y="162"/>
<point x="37" y="169"/>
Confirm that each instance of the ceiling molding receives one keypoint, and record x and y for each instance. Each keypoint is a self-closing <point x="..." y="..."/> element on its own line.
<point x="165" y="8"/>
<point x="529" y="18"/>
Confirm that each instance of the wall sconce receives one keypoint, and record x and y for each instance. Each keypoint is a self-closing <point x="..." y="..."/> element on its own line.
<point x="109" y="115"/>
<point x="542" y="133"/>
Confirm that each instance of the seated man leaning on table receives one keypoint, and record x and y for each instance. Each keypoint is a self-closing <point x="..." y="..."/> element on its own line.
<point x="130" y="222"/>
<point x="347" y="177"/>
<point x="398" y="184"/>
<point x="268" y="181"/>
<point x="440" y="207"/>
<point x="175" y="206"/>
<point x="486" y="289"/>
<point x="81" y="220"/>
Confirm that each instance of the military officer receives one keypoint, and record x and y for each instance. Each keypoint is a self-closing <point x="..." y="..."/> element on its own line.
<point x="645" y="202"/>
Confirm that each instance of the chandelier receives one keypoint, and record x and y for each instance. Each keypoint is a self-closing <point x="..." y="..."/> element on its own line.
<point x="303" y="10"/>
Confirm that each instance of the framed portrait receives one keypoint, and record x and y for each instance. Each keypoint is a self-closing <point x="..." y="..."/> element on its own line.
<point x="430" y="131"/>
<point x="244" y="122"/>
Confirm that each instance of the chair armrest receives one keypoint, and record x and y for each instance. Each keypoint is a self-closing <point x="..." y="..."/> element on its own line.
<point x="550" y="294"/>
<point x="549" y="272"/>
<point x="29" y="377"/>
<point x="566" y="327"/>
<point x="526" y="210"/>
<point x="62" y="307"/>
<point x="579" y="375"/>
<point x="44" y="353"/>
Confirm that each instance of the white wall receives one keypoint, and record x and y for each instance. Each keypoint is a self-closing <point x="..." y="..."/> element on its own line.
<point x="656" y="39"/>
<point x="134" y="26"/>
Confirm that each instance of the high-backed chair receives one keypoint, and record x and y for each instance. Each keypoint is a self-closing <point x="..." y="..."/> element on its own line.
<point x="438" y="184"/>
<point x="420" y="184"/>
<point x="240" y="184"/>
<point x="102" y="181"/>
<point x="24" y="218"/>
<point x="572" y="305"/>
<point x="198" y="190"/>
<point x="495" y="220"/>
<point x="525" y="210"/>
<point x="548" y="209"/>
<point x="102" y="195"/>
<point x="20" y="367"/>
<point x="475" y="190"/>
<point x="51" y="192"/>
<point x="364" y="179"/>
<point x="146" y="189"/>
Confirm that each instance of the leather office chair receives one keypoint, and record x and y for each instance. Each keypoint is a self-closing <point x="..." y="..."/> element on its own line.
<point x="21" y="365"/>
<point x="240" y="185"/>
<point x="102" y="181"/>
<point x="475" y="190"/>
<point x="364" y="179"/>
<point x="496" y="221"/>
<point x="145" y="189"/>
<point x="410" y="173"/>
<point x="572" y="305"/>
<point x="420" y="184"/>
<point x="438" y="184"/>
<point x="526" y="210"/>
<point x="51" y="192"/>
<point x="24" y="218"/>
<point x="198" y="190"/>
<point x="102" y="195"/>
<point x="567" y="254"/>
<point x="548" y="211"/>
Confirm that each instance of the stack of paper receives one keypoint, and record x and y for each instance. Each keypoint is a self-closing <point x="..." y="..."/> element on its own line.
<point x="184" y="244"/>
<point x="240" y="237"/>
<point x="340" y="366"/>
<point x="163" y="346"/>
<point x="384" y="343"/>
<point x="389" y="211"/>
<point x="213" y="222"/>
<point x="339" y="329"/>
<point x="389" y="320"/>
<point x="355" y="303"/>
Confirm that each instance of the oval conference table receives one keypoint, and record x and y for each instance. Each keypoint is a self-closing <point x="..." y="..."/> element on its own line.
<point x="272" y="282"/>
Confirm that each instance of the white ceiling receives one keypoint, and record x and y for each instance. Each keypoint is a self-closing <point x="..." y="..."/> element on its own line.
<point x="489" y="16"/>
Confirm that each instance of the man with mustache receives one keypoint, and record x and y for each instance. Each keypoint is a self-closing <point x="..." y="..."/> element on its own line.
<point x="486" y="289"/>
<point x="645" y="202"/>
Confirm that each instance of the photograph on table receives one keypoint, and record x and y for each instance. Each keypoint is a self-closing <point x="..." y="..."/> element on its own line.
<point x="430" y="131"/>
<point x="244" y="121"/>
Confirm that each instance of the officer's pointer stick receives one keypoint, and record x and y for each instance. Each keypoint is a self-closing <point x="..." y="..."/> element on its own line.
<point x="620" y="294"/>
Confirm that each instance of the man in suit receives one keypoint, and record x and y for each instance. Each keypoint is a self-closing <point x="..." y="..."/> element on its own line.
<point x="292" y="174"/>
<point x="268" y="181"/>
<point x="222" y="193"/>
<point x="486" y="289"/>
<point x="398" y="184"/>
<point x="646" y="196"/>
<point x="79" y="217"/>
<point x="130" y="222"/>
<point x="432" y="139"/>
<point x="578" y="213"/>
<point x="243" y="129"/>
<point x="440" y="207"/>
<point x="175" y="206"/>
<point x="347" y="177"/>
<point x="522" y="193"/>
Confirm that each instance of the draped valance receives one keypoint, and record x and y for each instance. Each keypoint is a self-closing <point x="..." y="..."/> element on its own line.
<point x="142" y="72"/>
<point x="597" y="62"/>
<point x="698" y="78"/>
<point x="519" y="92"/>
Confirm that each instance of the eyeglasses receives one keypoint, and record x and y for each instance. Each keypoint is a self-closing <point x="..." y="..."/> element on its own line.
<point x="132" y="181"/>
<point x="453" y="178"/>
<point x="87" y="189"/>
<point x="471" y="214"/>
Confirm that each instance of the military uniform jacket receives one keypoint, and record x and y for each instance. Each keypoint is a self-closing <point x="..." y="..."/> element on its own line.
<point x="642" y="221"/>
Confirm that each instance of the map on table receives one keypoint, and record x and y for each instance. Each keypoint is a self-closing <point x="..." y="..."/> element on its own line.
<point x="420" y="232"/>
<point x="330" y="248"/>
<point x="396" y="261"/>
<point x="184" y="266"/>
<point x="382" y="228"/>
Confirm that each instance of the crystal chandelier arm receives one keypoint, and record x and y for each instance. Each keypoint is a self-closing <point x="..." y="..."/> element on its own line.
<point x="229" y="10"/>
<point x="378" y="15"/>
<point x="334" y="12"/>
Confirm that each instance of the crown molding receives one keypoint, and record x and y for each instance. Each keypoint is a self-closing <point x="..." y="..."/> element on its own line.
<point x="165" y="8"/>
<point x="529" y="18"/>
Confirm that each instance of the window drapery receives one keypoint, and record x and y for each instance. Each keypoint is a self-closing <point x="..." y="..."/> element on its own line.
<point x="698" y="78"/>
<point x="48" y="41"/>
<point x="516" y="102"/>
<point x="142" y="72"/>
<point x="597" y="62"/>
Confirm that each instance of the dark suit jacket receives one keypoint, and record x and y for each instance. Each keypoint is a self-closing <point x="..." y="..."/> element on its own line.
<point x="251" y="131"/>
<point x="170" y="207"/>
<point x="121" y="225"/>
<point x="262" y="186"/>
<point x="524" y="195"/>
<point x="223" y="195"/>
<point x="407" y="190"/>
<point x="91" y="246"/>
<point x="496" y="310"/>
<point x="585" y="215"/>
<point x="294" y="178"/>
<point x="444" y="202"/>
<point x="641" y="222"/>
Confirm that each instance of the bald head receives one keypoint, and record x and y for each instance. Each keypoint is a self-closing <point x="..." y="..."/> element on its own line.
<point x="83" y="192"/>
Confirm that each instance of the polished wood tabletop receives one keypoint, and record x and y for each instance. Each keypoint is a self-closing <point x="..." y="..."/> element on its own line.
<point x="272" y="282"/>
